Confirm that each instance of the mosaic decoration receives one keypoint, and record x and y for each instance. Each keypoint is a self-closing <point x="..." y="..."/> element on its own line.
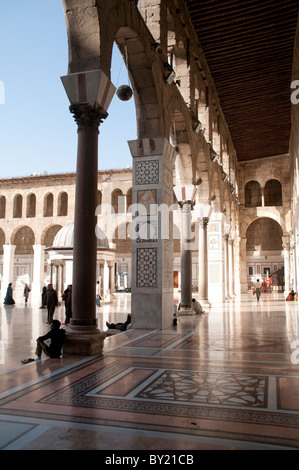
<point x="147" y="172"/>
<point x="146" y="267"/>
<point x="148" y="198"/>
<point x="197" y="387"/>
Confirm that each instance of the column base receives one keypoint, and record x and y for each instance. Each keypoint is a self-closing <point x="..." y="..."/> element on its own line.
<point x="186" y="311"/>
<point x="88" y="342"/>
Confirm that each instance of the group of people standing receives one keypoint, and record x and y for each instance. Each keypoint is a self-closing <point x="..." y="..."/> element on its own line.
<point x="50" y="301"/>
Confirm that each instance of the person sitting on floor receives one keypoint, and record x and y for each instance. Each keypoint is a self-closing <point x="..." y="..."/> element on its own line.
<point x="57" y="336"/>
<point x="119" y="326"/>
<point x="197" y="307"/>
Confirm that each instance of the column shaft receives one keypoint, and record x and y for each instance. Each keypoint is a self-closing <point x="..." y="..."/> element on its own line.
<point x="85" y="243"/>
<point x="186" y="258"/>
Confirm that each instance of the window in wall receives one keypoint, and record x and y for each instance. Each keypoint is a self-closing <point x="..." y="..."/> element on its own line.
<point x="118" y="201"/>
<point x="250" y="270"/>
<point x="129" y="201"/>
<point x="2" y="207"/>
<point x="253" y="194"/>
<point x="48" y="205"/>
<point x="273" y="193"/>
<point x="99" y="202"/>
<point x="17" y="206"/>
<point x="31" y="205"/>
<point x="62" y="204"/>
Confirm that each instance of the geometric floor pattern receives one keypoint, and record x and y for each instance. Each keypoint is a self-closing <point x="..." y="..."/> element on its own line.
<point x="227" y="380"/>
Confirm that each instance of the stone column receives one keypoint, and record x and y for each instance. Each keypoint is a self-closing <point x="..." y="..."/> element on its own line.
<point x="111" y="277"/>
<point x="90" y="94"/>
<point x="231" y="269"/>
<point x="38" y="273"/>
<point x="186" y="260"/>
<point x="152" y="222"/>
<point x="185" y="196"/>
<point x="8" y="265"/>
<point x="286" y="248"/>
<point x="227" y="272"/>
<point x="203" y="295"/>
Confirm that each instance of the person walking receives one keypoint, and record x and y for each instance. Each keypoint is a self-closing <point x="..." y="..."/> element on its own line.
<point x="51" y="302"/>
<point x="258" y="287"/>
<point x="26" y="293"/>
<point x="9" y="295"/>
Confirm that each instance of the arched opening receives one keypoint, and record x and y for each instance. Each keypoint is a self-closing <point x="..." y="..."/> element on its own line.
<point x="253" y="194"/>
<point x="273" y="193"/>
<point x="17" y="206"/>
<point x="2" y="207"/>
<point x="48" y="205"/>
<point x="62" y="209"/>
<point x="31" y="205"/>
<point x="118" y="201"/>
<point x="264" y="252"/>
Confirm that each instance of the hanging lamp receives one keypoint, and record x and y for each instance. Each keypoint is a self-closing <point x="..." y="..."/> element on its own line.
<point x="125" y="92"/>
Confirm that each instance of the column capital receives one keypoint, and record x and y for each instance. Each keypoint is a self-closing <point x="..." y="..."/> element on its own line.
<point x="87" y="117"/>
<point x="203" y="222"/>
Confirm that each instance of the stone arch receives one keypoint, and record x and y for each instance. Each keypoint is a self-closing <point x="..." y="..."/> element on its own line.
<point x="49" y="234"/>
<point x="91" y="38"/>
<point x="24" y="239"/>
<point x="264" y="234"/>
<point x="216" y="197"/>
<point x="2" y="241"/>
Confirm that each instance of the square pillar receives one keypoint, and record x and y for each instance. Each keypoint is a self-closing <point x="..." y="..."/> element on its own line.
<point x="152" y="227"/>
<point x="216" y="256"/>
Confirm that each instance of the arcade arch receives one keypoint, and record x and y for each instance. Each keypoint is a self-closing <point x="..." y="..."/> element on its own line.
<point x="264" y="249"/>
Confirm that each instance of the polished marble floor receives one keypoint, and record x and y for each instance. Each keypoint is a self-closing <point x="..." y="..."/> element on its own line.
<point x="228" y="380"/>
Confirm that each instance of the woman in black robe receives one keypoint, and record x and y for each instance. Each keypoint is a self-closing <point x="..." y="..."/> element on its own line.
<point x="8" y="298"/>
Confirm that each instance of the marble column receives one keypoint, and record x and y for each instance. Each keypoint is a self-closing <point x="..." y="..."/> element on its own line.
<point x="8" y="267"/>
<point x="152" y="222"/>
<point x="227" y="272"/>
<point x="186" y="260"/>
<point x="38" y="273"/>
<point x="287" y="280"/>
<point x="231" y="269"/>
<point x="203" y="295"/>
<point x="185" y="195"/>
<point x="90" y="94"/>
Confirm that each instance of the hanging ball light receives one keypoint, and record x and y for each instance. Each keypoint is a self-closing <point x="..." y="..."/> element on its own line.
<point x="124" y="93"/>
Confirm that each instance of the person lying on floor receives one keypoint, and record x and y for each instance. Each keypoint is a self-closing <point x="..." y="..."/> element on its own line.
<point x="57" y="336"/>
<point x="119" y="326"/>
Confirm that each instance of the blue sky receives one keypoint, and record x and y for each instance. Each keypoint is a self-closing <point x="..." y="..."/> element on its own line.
<point x="37" y="131"/>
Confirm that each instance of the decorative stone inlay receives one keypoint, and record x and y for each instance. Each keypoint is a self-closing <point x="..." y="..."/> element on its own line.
<point x="146" y="267"/>
<point x="147" y="172"/>
<point x="168" y="261"/>
<point x="205" y="388"/>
